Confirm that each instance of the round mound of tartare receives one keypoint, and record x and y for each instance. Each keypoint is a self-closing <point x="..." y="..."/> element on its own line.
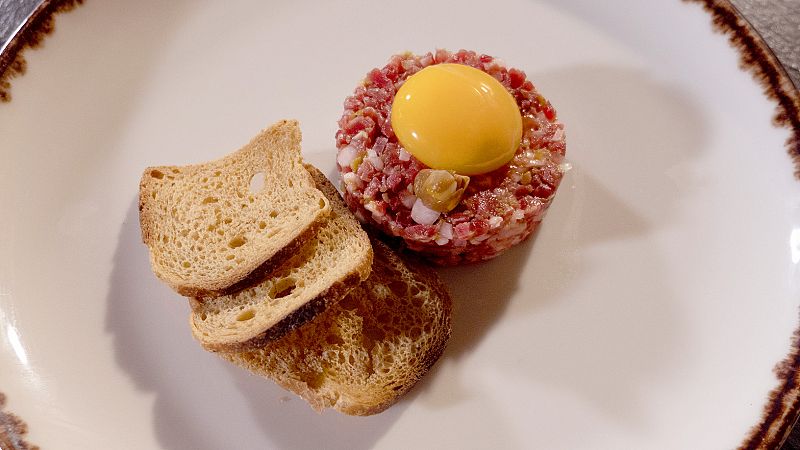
<point x="386" y="186"/>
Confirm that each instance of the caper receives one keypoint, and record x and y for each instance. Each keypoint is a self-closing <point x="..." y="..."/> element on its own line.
<point x="440" y="190"/>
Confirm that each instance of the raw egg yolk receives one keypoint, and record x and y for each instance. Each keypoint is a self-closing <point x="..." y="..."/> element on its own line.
<point x="455" y="117"/>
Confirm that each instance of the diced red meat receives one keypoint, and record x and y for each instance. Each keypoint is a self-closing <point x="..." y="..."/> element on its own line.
<point x="498" y="210"/>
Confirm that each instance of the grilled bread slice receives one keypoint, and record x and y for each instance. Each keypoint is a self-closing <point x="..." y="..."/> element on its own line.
<point x="334" y="259"/>
<point x="364" y="352"/>
<point x="212" y="228"/>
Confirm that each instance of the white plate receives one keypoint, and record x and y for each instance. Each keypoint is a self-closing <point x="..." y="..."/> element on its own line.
<point x="648" y="312"/>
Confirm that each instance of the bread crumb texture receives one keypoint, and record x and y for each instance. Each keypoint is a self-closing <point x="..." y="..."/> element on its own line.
<point x="209" y="226"/>
<point x="363" y="353"/>
<point x="338" y="249"/>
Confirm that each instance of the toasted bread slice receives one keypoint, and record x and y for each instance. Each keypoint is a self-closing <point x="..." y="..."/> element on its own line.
<point x="331" y="262"/>
<point x="213" y="227"/>
<point x="363" y="353"/>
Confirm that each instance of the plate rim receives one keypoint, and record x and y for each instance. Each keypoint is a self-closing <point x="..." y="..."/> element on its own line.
<point x="782" y="407"/>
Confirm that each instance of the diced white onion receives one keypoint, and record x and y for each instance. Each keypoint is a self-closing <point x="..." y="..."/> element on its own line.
<point x="374" y="159"/>
<point x="346" y="156"/>
<point x="518" y="215"/>
<point x="351" y="181"/>
<point x="371" y="207"/>
<point x="495" y="221"/>
<point x="404" y="155"/>
<point x="558" y="135"/>
<point x="565" y="167"/>
<point x="422" y="214"/>
<point x="442" y="240"/>
<point x="446" y="230"/>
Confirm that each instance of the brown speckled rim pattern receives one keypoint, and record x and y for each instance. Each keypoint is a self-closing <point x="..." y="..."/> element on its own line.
<point x="12" y="430"/>
<point x="757" y="58"/>
<point x="783" y="406"/>
<point x="40" y="24"/>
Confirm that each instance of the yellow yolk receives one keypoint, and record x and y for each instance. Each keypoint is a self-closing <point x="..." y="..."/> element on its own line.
<point x="456" y="117"/>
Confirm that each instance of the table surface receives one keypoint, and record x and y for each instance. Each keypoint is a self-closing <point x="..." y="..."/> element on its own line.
<point x="777" y="21"/>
